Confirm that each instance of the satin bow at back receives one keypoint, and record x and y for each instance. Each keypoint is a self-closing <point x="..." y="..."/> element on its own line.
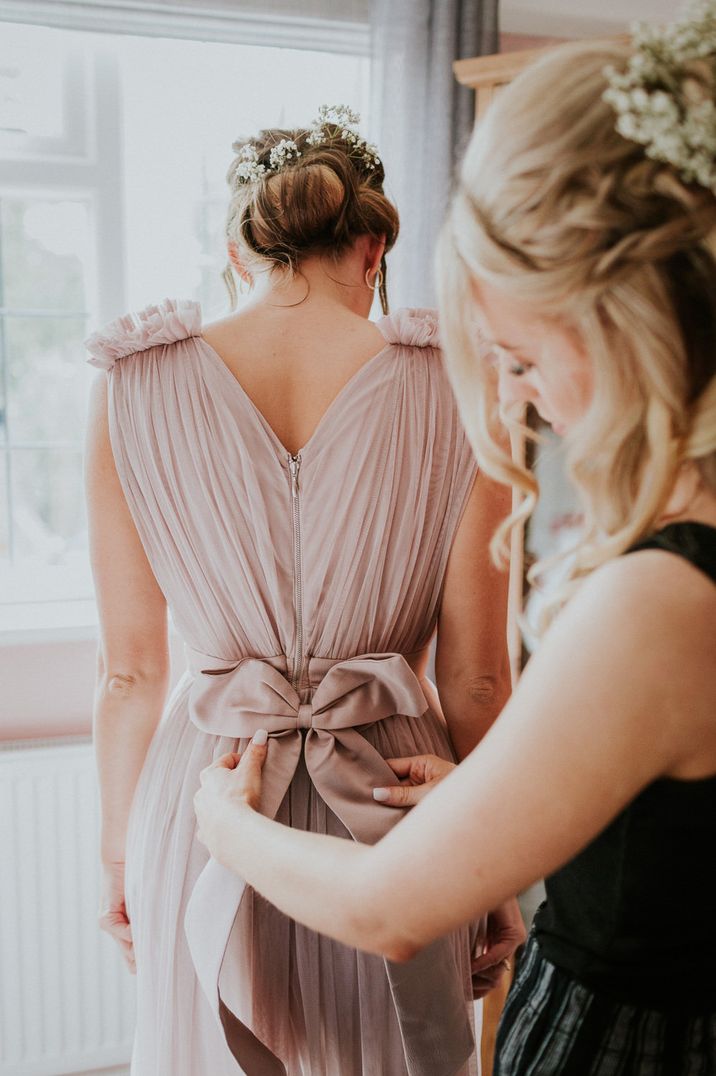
<point x="235" y="700"/>
<point x="255" y="693"/>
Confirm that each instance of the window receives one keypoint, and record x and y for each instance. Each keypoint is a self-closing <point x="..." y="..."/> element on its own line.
<point x="113" y="153"/>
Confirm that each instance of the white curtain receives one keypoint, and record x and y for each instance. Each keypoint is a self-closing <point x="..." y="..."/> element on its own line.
<point x="423" y="119"/>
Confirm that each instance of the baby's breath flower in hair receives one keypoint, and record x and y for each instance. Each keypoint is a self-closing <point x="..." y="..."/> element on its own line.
<point x="340" y="121"/>
<point x="338" y="116"/>
<point x="664" y="100"/>
<point x="248" y="170"/>
<point x="282" y="154"/>
<point x="334" y="122"/>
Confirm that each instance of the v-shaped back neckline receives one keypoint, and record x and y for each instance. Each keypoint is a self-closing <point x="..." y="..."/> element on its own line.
<point x="268" y="429"/>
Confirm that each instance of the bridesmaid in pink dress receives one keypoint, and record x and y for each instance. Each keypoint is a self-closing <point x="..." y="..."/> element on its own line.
<point x="294" y="486"/>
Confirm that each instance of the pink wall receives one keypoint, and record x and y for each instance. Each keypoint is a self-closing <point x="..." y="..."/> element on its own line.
<point x="51" y="687"/>
<point x="42" y="674"/>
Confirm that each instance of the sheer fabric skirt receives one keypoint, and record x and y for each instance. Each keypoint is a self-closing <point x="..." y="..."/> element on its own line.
<point x="323" y="1008"/>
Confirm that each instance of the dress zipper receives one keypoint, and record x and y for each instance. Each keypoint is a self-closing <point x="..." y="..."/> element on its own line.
<point x="294" y="465"/>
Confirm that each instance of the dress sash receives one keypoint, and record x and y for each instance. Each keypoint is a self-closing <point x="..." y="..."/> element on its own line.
<point x="235" y="700"/>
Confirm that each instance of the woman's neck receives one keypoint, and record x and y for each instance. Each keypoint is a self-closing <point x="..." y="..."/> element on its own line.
<point x="318" y="282"/>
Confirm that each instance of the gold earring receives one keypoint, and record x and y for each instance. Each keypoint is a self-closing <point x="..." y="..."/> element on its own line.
<point x="377" y="281"/>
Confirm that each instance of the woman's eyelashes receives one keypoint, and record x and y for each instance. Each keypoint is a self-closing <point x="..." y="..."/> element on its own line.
<point x="519" y="367"/>
<point x="496" y="355"/>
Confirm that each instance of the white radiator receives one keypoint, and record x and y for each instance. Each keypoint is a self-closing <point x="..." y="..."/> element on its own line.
<point x="66" y="997"/>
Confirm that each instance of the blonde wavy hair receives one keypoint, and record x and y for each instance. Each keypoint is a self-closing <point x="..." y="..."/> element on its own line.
<point x="557" y="209"/>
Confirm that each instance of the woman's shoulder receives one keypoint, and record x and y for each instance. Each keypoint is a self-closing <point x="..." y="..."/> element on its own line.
<point x="169" y="322"/>
<point x="632" y="649"/>
<point x="645" y="577"/>
<point x="690" y="540"/>
<point x="646" y="601"/>
<point x="411" y="327"/>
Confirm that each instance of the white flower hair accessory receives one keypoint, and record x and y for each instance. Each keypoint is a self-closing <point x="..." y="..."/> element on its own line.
<point x="340" y="121"/>
<point x="248" y="170"/>
<point x="664" y="100"/>
<point x="282" y="154"/>
<point x="334" y="122"/>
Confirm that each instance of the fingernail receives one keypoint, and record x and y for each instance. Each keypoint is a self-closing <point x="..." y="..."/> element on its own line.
<point x="381" y="794"/>
<point x="260" y="737"/>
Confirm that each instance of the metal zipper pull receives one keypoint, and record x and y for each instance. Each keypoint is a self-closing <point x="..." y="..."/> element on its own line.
<point x="294" y="464"/>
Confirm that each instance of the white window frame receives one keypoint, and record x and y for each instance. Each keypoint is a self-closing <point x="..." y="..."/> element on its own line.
<point x="68" y="642"/>
<point x="323" y="25"/>
<point x="85" y="164"/>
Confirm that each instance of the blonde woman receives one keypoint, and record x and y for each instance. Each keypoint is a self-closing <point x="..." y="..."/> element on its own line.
<point x="578" y="273"/>
<point x="294" y="483"/>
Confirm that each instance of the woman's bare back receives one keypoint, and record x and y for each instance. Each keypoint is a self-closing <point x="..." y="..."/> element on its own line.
<point x="292" y="363"/>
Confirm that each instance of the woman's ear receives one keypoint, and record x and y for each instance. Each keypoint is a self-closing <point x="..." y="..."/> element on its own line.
<point x="237" y="263"/>
<point x="374" y="252"/>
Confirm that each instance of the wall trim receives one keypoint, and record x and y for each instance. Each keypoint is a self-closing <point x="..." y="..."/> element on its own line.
<point x="202" y="23"/>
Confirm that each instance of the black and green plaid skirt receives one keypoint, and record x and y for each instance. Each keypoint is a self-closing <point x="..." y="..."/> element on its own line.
<point x="554" y="1025"/>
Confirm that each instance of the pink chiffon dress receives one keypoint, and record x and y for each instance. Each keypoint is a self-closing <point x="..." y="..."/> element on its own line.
<point x="306" y="589"/>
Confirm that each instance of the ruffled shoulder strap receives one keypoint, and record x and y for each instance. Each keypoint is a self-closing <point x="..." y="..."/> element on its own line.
<point x="411" y="327"/>
<point x="172" y="320"/>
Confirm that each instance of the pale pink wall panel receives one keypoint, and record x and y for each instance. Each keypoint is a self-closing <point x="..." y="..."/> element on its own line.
<point x="53" y="687"/>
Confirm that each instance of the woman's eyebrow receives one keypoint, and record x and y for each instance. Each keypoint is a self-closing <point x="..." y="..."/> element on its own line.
<point x="505" y="347"/>
<point x="487" y="341"/>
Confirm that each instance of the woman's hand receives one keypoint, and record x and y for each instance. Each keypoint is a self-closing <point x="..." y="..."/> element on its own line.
<point x="234" y="780"/>
<point x="113" y="912"/>
<point x="418" y="775"/>
<point x="505" y="933"/>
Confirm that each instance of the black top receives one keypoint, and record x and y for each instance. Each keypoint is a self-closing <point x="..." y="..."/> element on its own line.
<point x="634" y="914"/>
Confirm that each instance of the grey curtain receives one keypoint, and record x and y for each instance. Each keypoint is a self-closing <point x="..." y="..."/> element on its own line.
<point x="421" y="120"/>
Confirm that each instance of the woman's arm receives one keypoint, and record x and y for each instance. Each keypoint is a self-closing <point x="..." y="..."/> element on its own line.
<point x="611" y="701"/>
<point x="133" y="655"/>
<point x="472" y="666"/>
<point x="472" y="670"/>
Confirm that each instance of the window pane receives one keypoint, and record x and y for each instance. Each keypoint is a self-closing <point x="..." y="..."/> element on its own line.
<point x="32" y="62"/>
<point x="3" y="372"/>
<point x="45" y="249"/>
<point x="4" y="509"/>
<point x="154" y="209"/>
<point x="49" y="521"/>
<point x="184" y="103"/>
<point x="48" y="380"/>
<point x="211" y="291"/>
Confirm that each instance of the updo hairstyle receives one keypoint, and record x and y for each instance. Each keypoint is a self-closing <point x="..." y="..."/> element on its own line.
<point x="557" y="209"/>
<point x="320" y="204"/>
